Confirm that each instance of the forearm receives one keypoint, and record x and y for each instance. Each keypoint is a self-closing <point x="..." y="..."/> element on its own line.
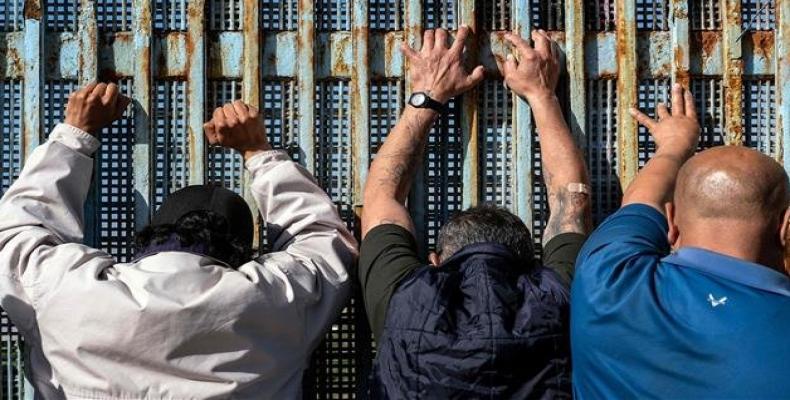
<point x="392" y="172"/>
<point x="564" y="172"/>
<point x="52" y="188"/>
<point x="294" y="207"/>
<point x="655" y="184"/>
<point x="561" y="159"/>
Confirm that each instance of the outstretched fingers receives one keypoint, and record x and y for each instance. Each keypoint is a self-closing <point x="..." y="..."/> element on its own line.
<point x="522" y="46"/>
<point x="428" y="39"/>
<point x="678" y="102"/>
<point x="460" y="39"/>
<point x="542" y="43"/>
<point x="476" y="76"/>
<point x="408" y="52"/>
<point x="643" y="119"/>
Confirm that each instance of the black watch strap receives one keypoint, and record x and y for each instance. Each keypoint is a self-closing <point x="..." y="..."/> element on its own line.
<point x="429" y="103"/>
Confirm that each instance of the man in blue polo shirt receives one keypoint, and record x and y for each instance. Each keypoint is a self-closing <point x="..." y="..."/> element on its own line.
<point x="682" y="293"/>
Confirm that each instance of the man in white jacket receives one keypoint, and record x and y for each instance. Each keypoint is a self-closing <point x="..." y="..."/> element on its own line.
<point x="179" y="321"/>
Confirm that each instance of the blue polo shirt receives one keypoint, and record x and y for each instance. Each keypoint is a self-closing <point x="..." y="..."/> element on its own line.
<point x="688" y="325"/>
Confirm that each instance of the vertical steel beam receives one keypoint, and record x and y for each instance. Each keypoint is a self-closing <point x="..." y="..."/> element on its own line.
<point x="251" y="83"/>
<point x="783" y="78"/>
<point x="251" y="68"/>
<point x="32" y="115"/>
<point x="87" y="35"/>
<point x="412" y="32"/>
<point x="470" y="112"/>
<point x="625" y="11"/>
<point x="33" y="76"/>
<point x="733" y="71"/>
<point x="305" y="53"/>
<point x="196" y="90"/>
<point x="88" y="70"/>
<point x="142" y="28"/>
<point x="522" y="123"/>
<point x="574" y="52"/>
<point x="360" y="100"/>
<point x="679" y="31"/>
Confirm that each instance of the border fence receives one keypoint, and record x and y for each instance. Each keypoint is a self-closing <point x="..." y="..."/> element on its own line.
<point x="330" y="78"/>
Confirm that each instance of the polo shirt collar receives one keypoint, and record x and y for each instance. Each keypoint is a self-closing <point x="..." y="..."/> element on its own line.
<point x="731" y="268"/>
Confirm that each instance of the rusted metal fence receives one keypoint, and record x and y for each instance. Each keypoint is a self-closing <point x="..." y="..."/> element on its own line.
<point x="330" y="78"/>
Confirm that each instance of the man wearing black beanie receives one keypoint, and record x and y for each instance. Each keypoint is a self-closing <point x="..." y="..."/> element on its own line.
<point x="191" y="316"/>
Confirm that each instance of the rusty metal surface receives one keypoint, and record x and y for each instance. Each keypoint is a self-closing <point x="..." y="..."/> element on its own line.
<point x="626" y="89"/>
<point x="733" y="71"/>
<point x="328" y="73"/>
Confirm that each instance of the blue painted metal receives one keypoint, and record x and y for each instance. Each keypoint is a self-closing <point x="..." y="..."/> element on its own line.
<point x="412" y="32"/>
<point x="467" y="15"/>
<point x="142" y="27"/>
<point x="305" y="52"/>
<point x="196" y="90"/>
<point x="169" y="54"/>
<point x="522" y="120"/>
<point x="360" y="100"/>
<point x="575" y="63"/>
<point x="33" y="75"/>
<point x="88" y="73"/>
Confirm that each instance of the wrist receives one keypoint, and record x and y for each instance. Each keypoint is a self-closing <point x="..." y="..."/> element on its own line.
<point x="680" y="150"/>
<point x="541" y="97"/>
<point x="436" y="95"/>
<point x="422" y="112"/>
<point x="247" y="154"/>
<point x="77" y="125"/>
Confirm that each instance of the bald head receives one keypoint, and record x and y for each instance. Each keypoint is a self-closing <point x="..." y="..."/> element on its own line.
<point x="732" y="183"/>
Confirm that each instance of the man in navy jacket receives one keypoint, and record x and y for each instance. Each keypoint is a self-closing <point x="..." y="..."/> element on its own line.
<point x="482" y="321"/>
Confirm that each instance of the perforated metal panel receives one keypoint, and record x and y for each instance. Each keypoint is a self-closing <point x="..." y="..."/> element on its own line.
<point x="330" y="81"/>
<point x="171" y="146"/>
<point x="601" y="147"/>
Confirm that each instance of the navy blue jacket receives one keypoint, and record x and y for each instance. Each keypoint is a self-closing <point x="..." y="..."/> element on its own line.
<point x="478" y="326"/>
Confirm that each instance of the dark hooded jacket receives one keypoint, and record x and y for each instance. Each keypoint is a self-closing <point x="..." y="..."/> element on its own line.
<point x="479" y="326"/>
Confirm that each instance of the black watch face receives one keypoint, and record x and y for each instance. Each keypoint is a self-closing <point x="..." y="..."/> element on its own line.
<point x="418" y="99"/>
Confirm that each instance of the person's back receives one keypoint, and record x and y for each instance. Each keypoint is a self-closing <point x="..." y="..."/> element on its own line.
<point x="484" y="322"/>
<point x="191" y="316"/>
<point x="481" y="321"/>
<point x="694" y="303"/>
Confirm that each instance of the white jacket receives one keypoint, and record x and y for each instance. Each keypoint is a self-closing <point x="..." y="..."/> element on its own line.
<point x="172" y="325"/>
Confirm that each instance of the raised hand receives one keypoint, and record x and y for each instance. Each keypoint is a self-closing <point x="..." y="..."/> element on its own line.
<point x="438" y="68"/>
<point x="95" y="107"/>
<point x="676" y="130"/>
<point x="535" y="73"/>
<point x="237" y="126"/>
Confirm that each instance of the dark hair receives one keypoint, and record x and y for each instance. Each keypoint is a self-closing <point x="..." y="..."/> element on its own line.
<point x="206" y="227"/>
<point x="486" y="224"/>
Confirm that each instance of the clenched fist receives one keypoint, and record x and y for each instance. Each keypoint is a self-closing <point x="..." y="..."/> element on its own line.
<point x="237" y="126"/>
<point x="95" y="107"/>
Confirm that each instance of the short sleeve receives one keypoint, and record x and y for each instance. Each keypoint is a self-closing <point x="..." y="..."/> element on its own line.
<point x="388" y="254"/>
<point x="630" y="240"/>
<point x="560" y="254"/>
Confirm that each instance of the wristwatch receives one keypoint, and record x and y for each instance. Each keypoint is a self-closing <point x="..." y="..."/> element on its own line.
<point x="422" y="100"/>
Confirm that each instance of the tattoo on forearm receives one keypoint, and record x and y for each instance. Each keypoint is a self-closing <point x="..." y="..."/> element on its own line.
<point x="402" y="164"/>
<point x="569" y="212"/>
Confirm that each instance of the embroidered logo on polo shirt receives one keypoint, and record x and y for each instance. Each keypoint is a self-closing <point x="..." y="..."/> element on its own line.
<point x="714" y="302"/>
